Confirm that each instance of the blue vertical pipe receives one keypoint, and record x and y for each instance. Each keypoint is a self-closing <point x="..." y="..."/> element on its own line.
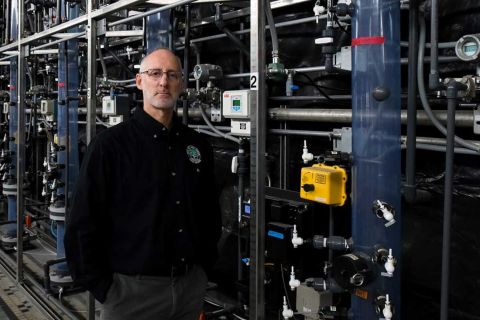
<point x="376" y="173"/>
<point x="157" y="26"/>
<point x="11" y="229"/>
<point x="67" y="68"/>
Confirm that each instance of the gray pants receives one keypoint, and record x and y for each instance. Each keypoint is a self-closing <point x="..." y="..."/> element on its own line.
<point x="155" y="298"/>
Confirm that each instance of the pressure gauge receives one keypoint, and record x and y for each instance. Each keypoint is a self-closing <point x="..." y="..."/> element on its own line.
<point x="468" y="48"/>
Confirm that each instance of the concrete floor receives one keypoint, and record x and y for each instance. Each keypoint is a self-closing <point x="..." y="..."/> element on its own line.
<point x="13" y="304"/>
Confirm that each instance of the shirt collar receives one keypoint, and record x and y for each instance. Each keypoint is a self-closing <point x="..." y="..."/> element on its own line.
<point x="155" y="128"/>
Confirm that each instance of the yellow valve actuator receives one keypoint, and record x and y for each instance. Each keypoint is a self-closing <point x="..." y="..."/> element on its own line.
<point x="324" y="184"/>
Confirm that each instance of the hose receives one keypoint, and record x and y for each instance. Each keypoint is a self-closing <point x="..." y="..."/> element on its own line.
<point x="102" y="62"/>
<point x="221" y="26"/>
<point x="210" y="125"/>
<point x="273" y="30"/>
<point x="423" y="94"/>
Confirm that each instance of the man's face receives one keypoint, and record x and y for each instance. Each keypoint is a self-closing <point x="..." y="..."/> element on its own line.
<point x="160" y="91"/>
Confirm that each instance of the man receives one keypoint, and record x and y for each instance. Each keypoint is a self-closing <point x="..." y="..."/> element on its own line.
<point x="145" y="220"/>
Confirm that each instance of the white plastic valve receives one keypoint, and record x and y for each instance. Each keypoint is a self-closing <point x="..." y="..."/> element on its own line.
<point x="387" y="214"/>
<point x="287" y="312"/>
<point x="387" y="310"/>
<point x="293" y="283"/>
<point x="390" y="264"/>
<point x="306" y="156"/>
<point x="318" y="10"/>
<point x="296" y="240"/>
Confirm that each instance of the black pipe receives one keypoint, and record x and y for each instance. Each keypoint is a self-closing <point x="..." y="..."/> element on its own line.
<point x="186" y="54"/>
<point x="242" y="172"/>
<point x="433" y="79"/>
<point x="221" y="26"/>
<point x="452" y="90"/>
<point x="410" y="185"/>
<point x="46" y="273"/>
<point x="120" y="61"/>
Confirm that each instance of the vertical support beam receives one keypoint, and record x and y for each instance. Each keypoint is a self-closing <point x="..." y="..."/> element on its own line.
<point x="91" y="103"/>
<point x="91" y="72"/>
<point x="20" y="140"/>
<point x="258" y="114"/>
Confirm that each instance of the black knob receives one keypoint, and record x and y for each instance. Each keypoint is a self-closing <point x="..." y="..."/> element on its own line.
<point x="308" y="187"/>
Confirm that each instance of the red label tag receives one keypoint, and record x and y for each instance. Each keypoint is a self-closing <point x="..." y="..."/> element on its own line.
<point x="61" y="84"/>
<point x="367" y="40"/>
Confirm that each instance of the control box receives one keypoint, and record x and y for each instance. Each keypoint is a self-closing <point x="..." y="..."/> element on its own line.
<point x="240" y="128"/>
<point x="236" y="104"/>
<point x="114" y="120"/>
<point x="324" y="184"/>
<point x="47" y="106"/>
<point x="115" y="106"/>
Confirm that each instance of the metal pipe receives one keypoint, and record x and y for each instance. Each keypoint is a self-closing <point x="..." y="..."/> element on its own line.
<point x="7" y="23"/>
<point x="257" y="161"/>
<point x="148" y="13"/>
<point x="186" y="55"/>
<point x="94" y="15"/>
<point x="434" y="77"/>
<point x="49" y="44"/>
<point x="20" y="140"/>
<point x="463" y="119"/>
<point x="436" y="148"/>
<point x="410" y="185"/>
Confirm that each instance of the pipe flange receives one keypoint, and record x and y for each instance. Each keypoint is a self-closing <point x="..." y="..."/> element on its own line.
<point x="57" y="213"/>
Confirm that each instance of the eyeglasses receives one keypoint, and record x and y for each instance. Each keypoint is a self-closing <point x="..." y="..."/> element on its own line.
<point x="157" y="74"/>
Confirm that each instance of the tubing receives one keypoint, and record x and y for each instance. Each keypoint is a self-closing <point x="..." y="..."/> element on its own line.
<point x="423" y="94"/>
<point x="210" y="125"/>
<point x="434" y="78"/>
<point x="102" y="62"/>
<point x="221" y="26"/>
<point x="410" y="185"/>
<point x="452" y="91"/>
<point x="273" y="30"/>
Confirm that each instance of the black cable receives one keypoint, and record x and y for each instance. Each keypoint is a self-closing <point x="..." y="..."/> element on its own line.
<point x="335" y="18"/>
<point x="316" y="86"/>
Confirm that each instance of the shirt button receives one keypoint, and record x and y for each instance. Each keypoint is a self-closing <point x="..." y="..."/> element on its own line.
<point x="174" y="174"/>
<point x="155" y="136"/>
<point x="163" y="129"/>
<point x="177" y="134"/>
<point x="183" y="259"/>
<point x="180" y="230"/>
<point x="169" y="147"/>
<point x="198" y="170"/>
<point x="177" y="202"/>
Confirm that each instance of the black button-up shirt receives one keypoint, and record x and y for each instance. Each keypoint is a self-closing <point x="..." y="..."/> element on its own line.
<point x="145" y="201"/>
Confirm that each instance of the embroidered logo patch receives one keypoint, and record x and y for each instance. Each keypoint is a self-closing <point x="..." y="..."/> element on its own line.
<point x="194" y="154"/>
